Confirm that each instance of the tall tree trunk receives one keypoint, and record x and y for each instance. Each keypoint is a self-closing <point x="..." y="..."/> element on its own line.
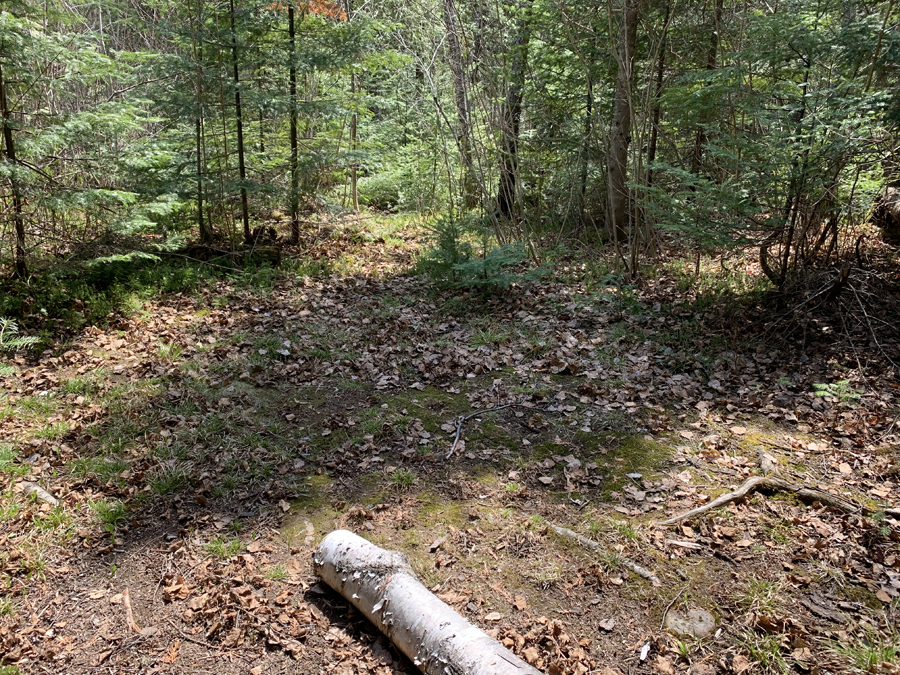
<point x="354" y="193"/>
<point x="621" y="124"/>
<point x="21" y="268"/>
<point x="460" y="97"/>
<point x="202" y="224"/>
<point x="508" y="206"/>
<point x="586" y="147"/>
<point x="242" y="170"/>
<point x="657" y="96"/>
<point x="262" y="136"/>
<point x="295" y="171"/>
<point x="711" y="56"/>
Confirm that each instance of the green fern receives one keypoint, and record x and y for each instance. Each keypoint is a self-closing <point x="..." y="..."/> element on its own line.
<point x="10" y="340"/>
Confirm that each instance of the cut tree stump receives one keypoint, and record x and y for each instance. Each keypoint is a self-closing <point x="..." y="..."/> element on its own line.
<point x="383" y="587"/>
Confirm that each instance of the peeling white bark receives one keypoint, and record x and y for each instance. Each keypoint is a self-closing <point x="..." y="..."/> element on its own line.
<point x="383" y="587"/>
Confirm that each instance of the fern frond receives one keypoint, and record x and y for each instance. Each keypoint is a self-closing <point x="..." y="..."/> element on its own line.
<point x="9" y="328"/>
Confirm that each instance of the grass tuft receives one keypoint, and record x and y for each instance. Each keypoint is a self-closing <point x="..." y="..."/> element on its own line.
<point x="223" y="548"/>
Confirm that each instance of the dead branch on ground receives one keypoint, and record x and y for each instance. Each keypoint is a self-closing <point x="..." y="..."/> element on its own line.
<point x="594" y="546"/>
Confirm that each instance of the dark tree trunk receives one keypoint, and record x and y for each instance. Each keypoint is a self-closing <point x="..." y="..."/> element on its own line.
<point x="242" y="170"/>
<point x="203" y="226"/>
<point x="21" y="268"/>
<point x="295" y="172"/>
<point x="507" y="192"/>
<point x="621" y="126"/>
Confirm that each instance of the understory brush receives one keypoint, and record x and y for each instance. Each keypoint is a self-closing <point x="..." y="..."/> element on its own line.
<point x="464" y="253"/>
<point x="71" y="297"/>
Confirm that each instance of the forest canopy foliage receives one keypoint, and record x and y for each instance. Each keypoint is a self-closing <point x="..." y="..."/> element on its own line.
<point x="719" y="123"/>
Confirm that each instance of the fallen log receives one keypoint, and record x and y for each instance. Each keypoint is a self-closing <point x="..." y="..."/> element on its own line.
<point x="383" y="587"/>
<point x="39" y="492"/>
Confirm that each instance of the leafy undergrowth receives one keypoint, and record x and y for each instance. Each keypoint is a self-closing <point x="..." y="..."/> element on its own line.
<point x="202" y="446"/>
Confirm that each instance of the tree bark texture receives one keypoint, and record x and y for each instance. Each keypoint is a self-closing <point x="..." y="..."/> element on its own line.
<point x="621" y="124"/>
<point x="383" y="587"/>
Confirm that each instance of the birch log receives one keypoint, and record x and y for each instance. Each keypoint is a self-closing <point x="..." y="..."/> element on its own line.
<point x="383" y="587"/>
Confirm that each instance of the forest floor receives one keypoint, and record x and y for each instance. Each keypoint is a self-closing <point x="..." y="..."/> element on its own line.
<point x="201" y="446"/>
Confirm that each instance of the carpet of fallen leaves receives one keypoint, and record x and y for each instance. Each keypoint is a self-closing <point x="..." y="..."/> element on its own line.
<point x="167" y="475"/>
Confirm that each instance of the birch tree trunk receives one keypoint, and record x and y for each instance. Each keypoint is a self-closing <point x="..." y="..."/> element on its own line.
<point x="383" y="587"/>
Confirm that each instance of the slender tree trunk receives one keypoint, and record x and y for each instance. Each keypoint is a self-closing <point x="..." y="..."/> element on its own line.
<point x="877" y="53"/>
<point x="657" y="96"/>
<point x="586" y="147"/>
<point x="507" y="194"/>
<point x="202" y="225"/>
<point x="295" y="172"/>
<point x="792" y="200"/>
<point x="621" y="125"/>
<point x="262" y="137"/>
<point x="711" y="57"/>
<point x="460" y="97"/>
<point x="242" y="170"/>
<point x="21" y="268"/>
<point x="354" y="193"/>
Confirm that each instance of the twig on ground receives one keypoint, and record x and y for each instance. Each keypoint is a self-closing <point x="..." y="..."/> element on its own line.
<point x="129" y="615"/>
<point x="662" y="622"/>
<point x="185" y="636"/>
<point x="462" y="420"/>
<point x="594" y="546"/>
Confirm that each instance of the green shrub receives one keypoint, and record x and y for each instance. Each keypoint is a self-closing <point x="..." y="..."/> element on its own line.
<point x="380" y="192"/>
<point x="464" y="254"/>
<point x="9" y="339"/>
